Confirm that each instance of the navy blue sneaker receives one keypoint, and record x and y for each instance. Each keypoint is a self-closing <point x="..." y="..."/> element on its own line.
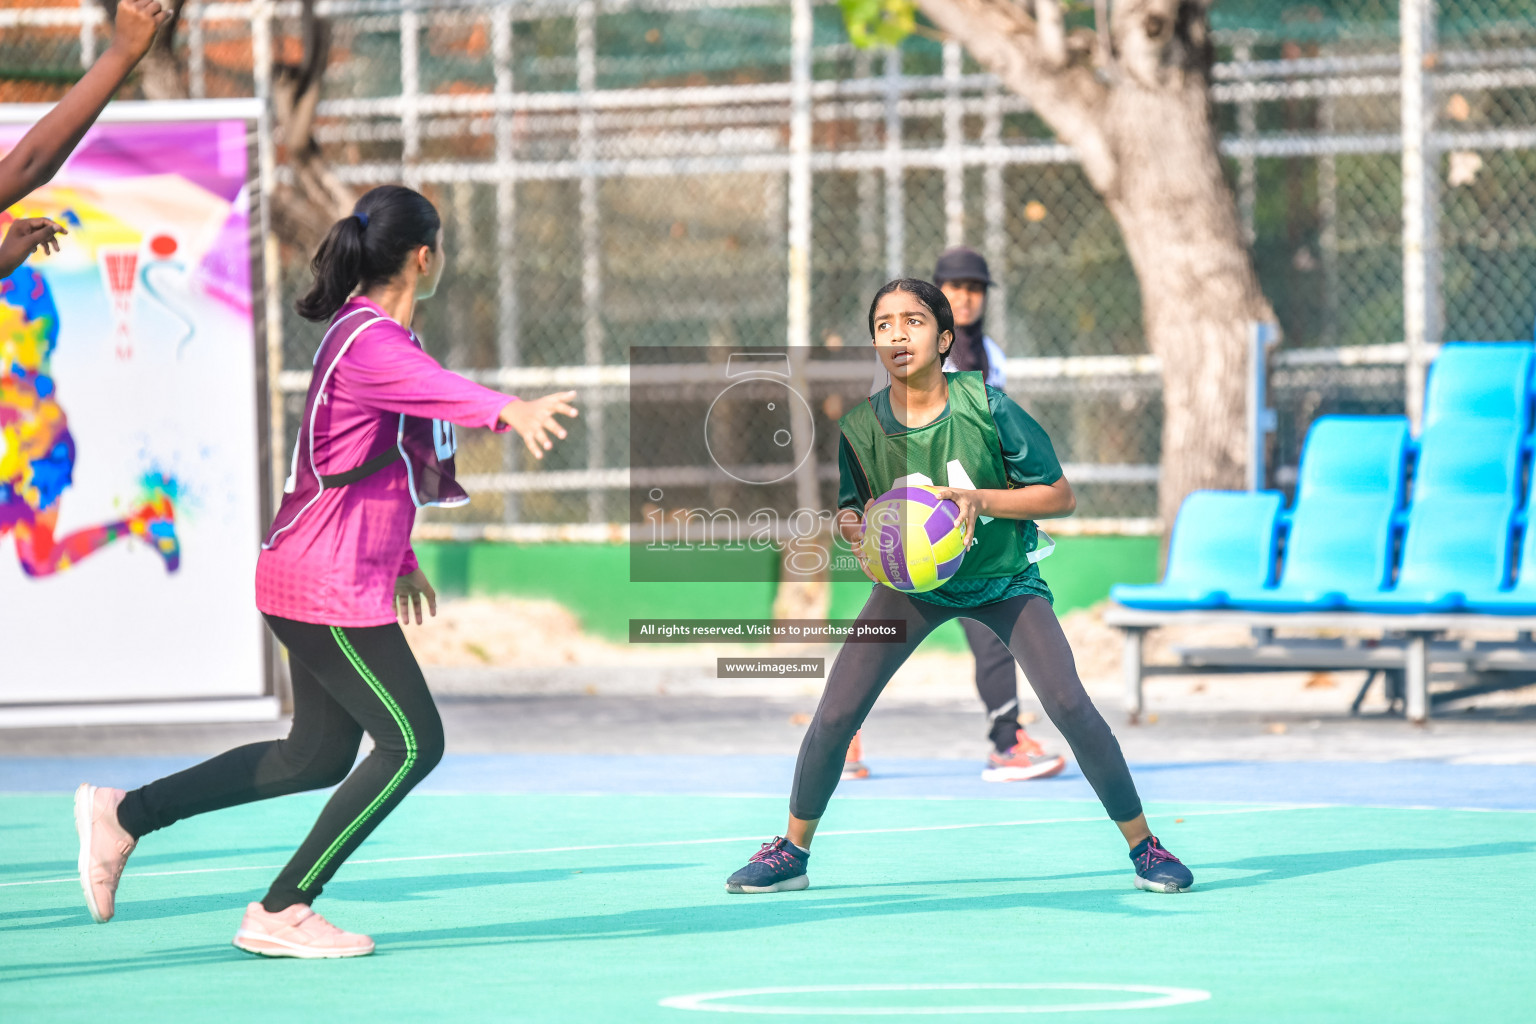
<point x="778" y="867"/>
<point x="1157" y="870"/>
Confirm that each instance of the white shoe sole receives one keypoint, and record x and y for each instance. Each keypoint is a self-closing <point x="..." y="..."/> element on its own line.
<point x="266" y="945"/>
<point x="1142" y="883"/>
<point x="85" y="806"/>
<point x="1022" y="774"/>
<point x="788" y="885"/>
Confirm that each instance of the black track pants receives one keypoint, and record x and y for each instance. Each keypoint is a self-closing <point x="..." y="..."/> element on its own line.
<point x="346" y="681"/>
<point x="997" y="683"/>
<point x="1029" y="627"/>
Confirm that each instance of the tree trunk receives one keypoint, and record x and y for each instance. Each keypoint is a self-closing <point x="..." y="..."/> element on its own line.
<point x="1199" y="293"/>
<point x="1136" y="106"/>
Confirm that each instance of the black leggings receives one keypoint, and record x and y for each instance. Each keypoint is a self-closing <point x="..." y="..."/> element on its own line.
<point x="346" y="680"/>
<point x="997" y="682"/>
<point x="1031" y="631"/>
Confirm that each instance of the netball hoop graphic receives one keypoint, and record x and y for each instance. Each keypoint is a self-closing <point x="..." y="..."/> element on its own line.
<point x="751" y="425"/>
<point x="119" y="272"/>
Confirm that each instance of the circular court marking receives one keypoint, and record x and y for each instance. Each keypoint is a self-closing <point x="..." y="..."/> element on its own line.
<point x="1155" y="996"/>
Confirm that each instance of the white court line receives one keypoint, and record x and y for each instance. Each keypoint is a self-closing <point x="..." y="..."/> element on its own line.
<point x="1162" y="995"/>
<point x="681" y="842"/>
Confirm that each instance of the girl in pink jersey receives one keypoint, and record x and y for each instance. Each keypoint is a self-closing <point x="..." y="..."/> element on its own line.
<point x="336" y="569"/>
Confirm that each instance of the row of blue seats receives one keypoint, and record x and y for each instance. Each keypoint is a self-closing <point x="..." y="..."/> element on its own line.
<point x="1353" y="540"/>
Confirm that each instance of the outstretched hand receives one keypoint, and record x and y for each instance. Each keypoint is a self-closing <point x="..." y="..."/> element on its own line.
<point x="409" y="590"/>
<point x="534" y="419"/>
<point x="27" y="237"/>
<point x="137" y="23"/>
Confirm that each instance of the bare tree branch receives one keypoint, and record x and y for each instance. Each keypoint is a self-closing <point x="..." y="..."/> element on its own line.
<point x="1005" y="40"/>
<point x="1144" y="131"/>
<point x="1157" y="39"/>
<point x="304" y="208"/>
<point x="1051" y="31"/>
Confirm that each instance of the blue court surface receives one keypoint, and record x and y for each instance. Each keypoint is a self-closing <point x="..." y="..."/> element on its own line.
<point x="576" y="888"/>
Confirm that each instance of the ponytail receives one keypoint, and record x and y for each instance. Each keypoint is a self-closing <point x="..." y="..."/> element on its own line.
<point x="368" y="247"/>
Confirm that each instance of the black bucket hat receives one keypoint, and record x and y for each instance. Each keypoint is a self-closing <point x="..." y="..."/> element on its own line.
<point x="961" y="263"/>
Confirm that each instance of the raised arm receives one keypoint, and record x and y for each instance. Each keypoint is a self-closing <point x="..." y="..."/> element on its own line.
<point x="42" y="151"/>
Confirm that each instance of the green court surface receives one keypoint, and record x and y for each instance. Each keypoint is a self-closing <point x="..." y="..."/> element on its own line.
<point x="533" y="907"/>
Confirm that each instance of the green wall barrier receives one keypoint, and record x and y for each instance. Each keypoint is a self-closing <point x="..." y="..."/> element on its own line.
<point x="592" y="580"/>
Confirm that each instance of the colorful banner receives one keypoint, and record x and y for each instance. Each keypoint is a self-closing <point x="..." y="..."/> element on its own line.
<point x="129" y="500"/>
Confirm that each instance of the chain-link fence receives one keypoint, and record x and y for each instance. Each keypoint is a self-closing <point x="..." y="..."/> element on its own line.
<point x="624" y="173"/>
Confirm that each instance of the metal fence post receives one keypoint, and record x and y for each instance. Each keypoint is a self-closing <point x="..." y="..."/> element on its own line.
<point x="993" y="217"/>
<point x="506" y="230"/>
<point x="895" y="191"/>
<point x="1328" y="220"/>
<point x="591" y="243"/>
<point x="1261" y="418"/>
<point x="1247" y="164"/>
<point x="868" y="185"/>
<point x="1420" y="216"/>
<point x="197" y="57"/>
<point x="802" y="42"/>
<point x="801" y="33"/>
<point x="410" y="88"/>
<point x="87" y="33"/>
<point x="262" y="14"/>
<point x="954" y="138"/>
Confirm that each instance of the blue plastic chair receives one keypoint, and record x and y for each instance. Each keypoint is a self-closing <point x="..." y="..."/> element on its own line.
<point x="1459" y="522"/>
<point x="1340" y="538"/>
<point x="1485" y="378"/>
<point x="1221" y="540"/>
<point x="1519" y="599"/>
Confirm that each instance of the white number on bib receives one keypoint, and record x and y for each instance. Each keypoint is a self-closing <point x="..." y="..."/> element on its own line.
<point x="958" y="478"/>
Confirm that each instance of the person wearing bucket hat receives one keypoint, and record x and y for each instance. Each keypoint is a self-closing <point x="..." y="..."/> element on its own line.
<point x="961" y="273"/>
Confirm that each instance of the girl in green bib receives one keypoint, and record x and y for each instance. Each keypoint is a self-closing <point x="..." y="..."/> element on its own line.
<point x="988" y="456"/>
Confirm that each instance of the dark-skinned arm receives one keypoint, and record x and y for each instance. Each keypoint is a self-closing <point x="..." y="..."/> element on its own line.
<point x="42" y="151"/>
<point x="1034" y="501"/>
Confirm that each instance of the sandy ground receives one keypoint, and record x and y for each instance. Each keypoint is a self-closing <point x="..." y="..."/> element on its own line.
<point x="489" y="647"/>
<point x="522" y="677"/>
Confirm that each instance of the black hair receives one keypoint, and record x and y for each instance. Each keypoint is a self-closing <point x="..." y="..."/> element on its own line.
<point x="369" y="247"/>
<point x="929" y="295"/>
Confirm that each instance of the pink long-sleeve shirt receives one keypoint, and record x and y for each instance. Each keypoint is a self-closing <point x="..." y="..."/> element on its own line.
<point x="337" y="564"/>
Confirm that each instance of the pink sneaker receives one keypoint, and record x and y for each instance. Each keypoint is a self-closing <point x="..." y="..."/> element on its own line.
<point x="297" y="931"/>
<point x="104" y="848"/>
<point x="1025" y="760"/>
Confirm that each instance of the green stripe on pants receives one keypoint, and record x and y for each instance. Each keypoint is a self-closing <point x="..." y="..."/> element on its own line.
<point x="394" y="783"/>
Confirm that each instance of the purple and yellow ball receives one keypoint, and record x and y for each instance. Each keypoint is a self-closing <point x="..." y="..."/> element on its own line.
<point x="914" y="541"/>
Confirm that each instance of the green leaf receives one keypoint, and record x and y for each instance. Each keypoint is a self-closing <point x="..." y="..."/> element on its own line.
<point x="878" y="23"/>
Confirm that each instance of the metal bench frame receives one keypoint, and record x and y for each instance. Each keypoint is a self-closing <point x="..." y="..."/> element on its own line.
<point x="1408" y="646"/>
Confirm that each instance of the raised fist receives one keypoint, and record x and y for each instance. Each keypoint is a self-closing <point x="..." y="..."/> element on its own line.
<point x="137" y="23"/>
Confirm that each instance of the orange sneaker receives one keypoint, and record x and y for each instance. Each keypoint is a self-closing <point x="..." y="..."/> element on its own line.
<point x="299" y="932"/>
<point x="1026" y="759"/>
<point x="104" y="848"/>
<point x="853" y="763"/>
